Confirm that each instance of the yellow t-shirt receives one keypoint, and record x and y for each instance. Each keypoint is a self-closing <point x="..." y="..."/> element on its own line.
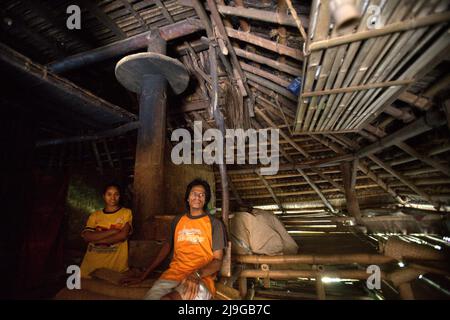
<point x="111" y="256"/>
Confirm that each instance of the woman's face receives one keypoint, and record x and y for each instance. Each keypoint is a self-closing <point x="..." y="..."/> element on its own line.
<point x="111" y="197"/>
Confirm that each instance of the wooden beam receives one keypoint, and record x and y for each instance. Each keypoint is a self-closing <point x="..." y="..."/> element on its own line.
<point x="97" y="136"/>
<point x="421" y="103"/>
<point x="403" y="114"/>
<point x="40" y="76"/>
<point x="122" y="47"/>
<point x="402" y="178"/>
<point x="215" y="16"/>
<point x="424" y="158"/>
<point x="261" y="15"/>
<point x="432" y="119"/>
<point x="374" y="177"/>
<point x="439" y="86"/>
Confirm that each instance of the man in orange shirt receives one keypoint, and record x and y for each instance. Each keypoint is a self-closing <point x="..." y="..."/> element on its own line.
<point x="196" y="247"/>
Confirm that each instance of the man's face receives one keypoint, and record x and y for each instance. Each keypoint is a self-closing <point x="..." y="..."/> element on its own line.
<point x="197" y="197"/>
<point x="111" y="197"/>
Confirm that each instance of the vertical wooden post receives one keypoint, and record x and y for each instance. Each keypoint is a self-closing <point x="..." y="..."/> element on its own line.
<point x="406" y="292"/>
<point x="149" y="163"/>
<point x="349" y="178"/>
<point x="320" y="288"/>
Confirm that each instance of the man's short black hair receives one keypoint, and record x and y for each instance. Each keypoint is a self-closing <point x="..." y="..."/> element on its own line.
<point x="112" y="185"/>
<point x="198" y="182"/>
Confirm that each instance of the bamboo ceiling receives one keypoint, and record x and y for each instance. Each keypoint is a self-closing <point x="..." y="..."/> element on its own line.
<point x="351" y="76"/>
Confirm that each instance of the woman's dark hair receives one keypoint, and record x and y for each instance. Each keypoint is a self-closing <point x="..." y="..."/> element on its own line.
<point x="112" y="185"/>
<point x="198" y="182"/>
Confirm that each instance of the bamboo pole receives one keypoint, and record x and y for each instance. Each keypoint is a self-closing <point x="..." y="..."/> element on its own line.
<point x="267" y="75"/>
<point x="400" y="250"/>
<point x="271" y="191"/>
<point x="357" y="88"/>
<point x="322" y="259"/>
<point x="388" y="29"/>
<point x="306" y="164"/>
<point x="266" y="44"/>
<point x="269" y="62"/>
<point x="294" y="274"/>
<point x="302" y="183"/>
<point x="320" y="287"/>
<point x="297" y="19"/>
<point x="270" y="93"/>
<point x="317" y="190"/>
<point x="271" y="85"/>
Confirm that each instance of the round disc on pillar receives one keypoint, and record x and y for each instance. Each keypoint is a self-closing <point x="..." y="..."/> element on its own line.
<point x="131" y="69"/>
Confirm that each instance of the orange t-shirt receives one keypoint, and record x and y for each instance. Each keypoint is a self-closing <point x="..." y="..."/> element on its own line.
<point x="193" y="248"/>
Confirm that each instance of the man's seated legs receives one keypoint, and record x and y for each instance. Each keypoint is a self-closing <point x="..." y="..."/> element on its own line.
<point x="173" y="290"/>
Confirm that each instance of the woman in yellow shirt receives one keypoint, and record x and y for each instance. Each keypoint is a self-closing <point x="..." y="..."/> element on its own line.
<point x="106" y="232"/>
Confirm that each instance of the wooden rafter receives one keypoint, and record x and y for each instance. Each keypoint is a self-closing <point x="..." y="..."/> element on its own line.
<point x="269" y="188"/>
<point x="135" y="14"/>
<point x="104" y="19"/>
